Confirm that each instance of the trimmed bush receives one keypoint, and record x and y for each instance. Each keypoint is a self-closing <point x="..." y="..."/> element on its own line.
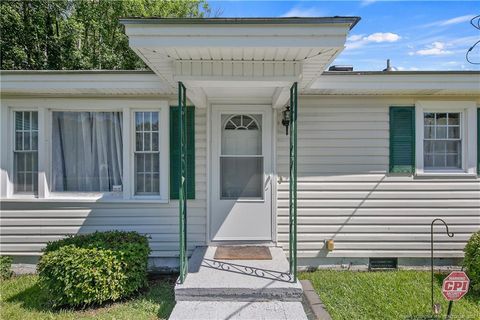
<point x="94" y="268"/>
<point x="5" y="267"/>
<point x="471" y="262"/>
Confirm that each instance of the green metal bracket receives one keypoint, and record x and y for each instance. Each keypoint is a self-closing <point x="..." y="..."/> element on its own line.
<point x="182" y="125"/>
<point x="293" y="182"/>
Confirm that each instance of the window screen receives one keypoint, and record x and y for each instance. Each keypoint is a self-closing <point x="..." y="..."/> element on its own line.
<point x="26" y="152"/>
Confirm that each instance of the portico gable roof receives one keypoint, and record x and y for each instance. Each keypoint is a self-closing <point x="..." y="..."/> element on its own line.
<point x="241" y="54"/>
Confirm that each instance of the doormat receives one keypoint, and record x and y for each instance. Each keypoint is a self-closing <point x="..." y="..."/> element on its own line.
<point x="242" y="253"/>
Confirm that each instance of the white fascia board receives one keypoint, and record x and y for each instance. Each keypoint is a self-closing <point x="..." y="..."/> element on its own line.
<point x="159" y="30"/>
<point x="239" y="83"/>
<point x="392" y="82"/>
<point x="226" y="41"/>
<point x="234" y="36"/>
<point x="24" y="82"/>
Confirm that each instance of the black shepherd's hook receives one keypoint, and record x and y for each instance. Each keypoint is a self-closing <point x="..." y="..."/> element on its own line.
<point x="431" y="247"/>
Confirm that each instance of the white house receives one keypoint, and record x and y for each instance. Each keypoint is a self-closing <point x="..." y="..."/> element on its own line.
<point x="379" y="154"/>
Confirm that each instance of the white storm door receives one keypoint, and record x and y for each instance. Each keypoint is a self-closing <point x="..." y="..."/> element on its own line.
<point x="241" y="174"/>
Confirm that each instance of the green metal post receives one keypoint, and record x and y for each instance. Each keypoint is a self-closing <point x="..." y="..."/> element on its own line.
<point x="293" y="182"/>
<point x="182" y="125"/>
<point x="290" y="189"/>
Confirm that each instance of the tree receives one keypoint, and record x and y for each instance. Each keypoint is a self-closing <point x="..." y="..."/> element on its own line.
<point x="78" y="34"/>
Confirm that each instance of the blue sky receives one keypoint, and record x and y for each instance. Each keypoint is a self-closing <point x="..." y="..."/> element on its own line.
<point x="415" y="35"/>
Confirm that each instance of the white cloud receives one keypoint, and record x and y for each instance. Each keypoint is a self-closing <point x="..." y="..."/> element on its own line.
<point x="456" y="20"/>
<point x="451" y="21"/>
<point x="379" y="37"/>
<point x="359" y="40"/>
<point x="437" y="48"/>
<point x="303" y="12"/>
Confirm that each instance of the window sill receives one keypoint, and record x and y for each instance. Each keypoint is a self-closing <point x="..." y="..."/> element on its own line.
<point x="445" y="174"/>
<point x="83" y="198"/>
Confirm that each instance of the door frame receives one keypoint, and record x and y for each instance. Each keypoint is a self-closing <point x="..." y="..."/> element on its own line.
<point x="269" y="114"/>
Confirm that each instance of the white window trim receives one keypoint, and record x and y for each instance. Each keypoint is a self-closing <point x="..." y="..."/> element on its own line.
<point x="468" y="120"/>
<point x="45" y="107"/>
<point x="164" y="156"/>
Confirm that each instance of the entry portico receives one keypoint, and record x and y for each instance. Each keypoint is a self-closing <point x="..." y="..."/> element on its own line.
<point x="242" y="71"/>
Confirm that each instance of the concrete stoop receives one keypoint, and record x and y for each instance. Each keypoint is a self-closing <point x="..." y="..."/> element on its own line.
<point x="238" y="289"/>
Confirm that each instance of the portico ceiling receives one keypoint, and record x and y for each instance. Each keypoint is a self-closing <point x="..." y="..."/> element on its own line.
<point x="255" y="53"/>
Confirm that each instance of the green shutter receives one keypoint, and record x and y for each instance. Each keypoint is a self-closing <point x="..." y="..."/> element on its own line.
<point x="478" y="141"/>
<point x="175" y="153"/>
<point x="402" y="140"/>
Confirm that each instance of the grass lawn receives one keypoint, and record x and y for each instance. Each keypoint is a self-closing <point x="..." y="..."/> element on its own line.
<point x="385" y="295"/>
<point x="22" y="298"/>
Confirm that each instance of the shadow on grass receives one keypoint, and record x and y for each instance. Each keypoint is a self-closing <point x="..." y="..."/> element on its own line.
<point x="159" y="291"/>
<point x="33" y="298"/>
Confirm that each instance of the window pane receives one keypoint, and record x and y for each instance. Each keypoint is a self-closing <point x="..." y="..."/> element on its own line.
<point x="26" y="141"/>
<point x="155" y="146"/>
<point x="19" y="141"/>
<point x="440" y="146"/>
<point x="26" y="121"/>
<point x="147" y="136"/>
<point x="439" y="161"/>
<point x="155" y="121"/>
<point x="140" y="183"/>
<point x="34" y="120"/>
<point x="454" y="118"/>
<point x="241" y="177"/>
<point x="140" y="162"/>
<point x="453" y="161"/>
<point x="428" y="161"/>
<point x="429" y="119"/>
<point x="441" y="133"/>
<point x="138" y="121"/>
<point x="453" y="146"/>
<point x="453" y="132"/>
<point x="139" y="141"/>
<point x="441" y="118"/>
<point x="429" y="132"/>
<point x="18" y="120"/>
<point x="87" y="151"/>
<point x="428" y="147"/>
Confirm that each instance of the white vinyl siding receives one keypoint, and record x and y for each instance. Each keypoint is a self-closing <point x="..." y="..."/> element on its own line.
<point x="345" y="194"/>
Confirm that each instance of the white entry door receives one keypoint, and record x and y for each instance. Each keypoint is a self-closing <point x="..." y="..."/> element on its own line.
<point x="241" y="191"/>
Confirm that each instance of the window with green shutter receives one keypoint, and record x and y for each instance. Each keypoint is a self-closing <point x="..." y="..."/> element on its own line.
<point x="402" y="140"/>
<point x="175" y="152"/>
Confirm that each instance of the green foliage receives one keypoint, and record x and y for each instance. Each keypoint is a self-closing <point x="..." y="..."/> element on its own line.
<point x="77" y="34"/>
<point x="5" y="267"/>
<point x="94" y="268"/>
<point x="471" y="262"/>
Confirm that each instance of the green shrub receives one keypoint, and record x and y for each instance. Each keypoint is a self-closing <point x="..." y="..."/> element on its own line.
<point x="94" y="268"/>
<point x="5" y="267"/>
<point x="472" y="261"/>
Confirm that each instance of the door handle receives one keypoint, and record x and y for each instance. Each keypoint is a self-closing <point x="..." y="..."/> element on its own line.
<point x="267" y="182"/>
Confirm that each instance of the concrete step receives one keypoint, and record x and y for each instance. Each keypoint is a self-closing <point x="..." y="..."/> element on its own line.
<point x="216" y="310"/>
<point x="238" y="280"/>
